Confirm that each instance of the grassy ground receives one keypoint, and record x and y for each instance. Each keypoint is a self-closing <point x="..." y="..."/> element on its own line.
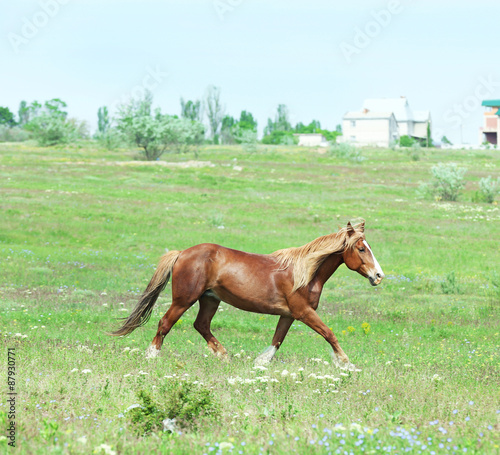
<point x="81" y="232"/>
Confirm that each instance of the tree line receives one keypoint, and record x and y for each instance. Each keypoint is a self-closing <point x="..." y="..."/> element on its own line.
<point x="154" y="132"/>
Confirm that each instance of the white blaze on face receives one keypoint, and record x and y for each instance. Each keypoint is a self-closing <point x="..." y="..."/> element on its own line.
<point x="378" y="269"/>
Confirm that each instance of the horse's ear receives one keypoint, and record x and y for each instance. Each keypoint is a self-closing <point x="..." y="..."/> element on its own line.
<point x="350" y="229"/>
<point x="362" y="226"/>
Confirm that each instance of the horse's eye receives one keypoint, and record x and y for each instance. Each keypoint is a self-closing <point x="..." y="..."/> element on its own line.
<point x="361" y="250"/>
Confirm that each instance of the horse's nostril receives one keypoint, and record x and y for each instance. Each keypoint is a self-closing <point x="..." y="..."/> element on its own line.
<point x="378" y="275"/>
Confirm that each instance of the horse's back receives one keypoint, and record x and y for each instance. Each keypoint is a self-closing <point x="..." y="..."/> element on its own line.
<point x="246" y="280"/>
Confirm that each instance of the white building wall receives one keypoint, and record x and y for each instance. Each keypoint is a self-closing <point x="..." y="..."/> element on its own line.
<point x="369" y="131"/>
<point x="420" y="130"/>
<point x="405" y="128"/>
<point x="311" y="140"/>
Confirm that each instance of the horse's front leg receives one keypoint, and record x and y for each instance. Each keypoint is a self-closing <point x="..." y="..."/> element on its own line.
<point x="340" y="359"/>
<point x="282" y="328"/>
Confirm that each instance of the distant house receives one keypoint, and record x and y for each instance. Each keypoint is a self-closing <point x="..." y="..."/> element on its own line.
<point x="491" y="126"/>
<point x="369" y="128"/>
<point x="312" y="140"/>
<point x="376" y="122"/>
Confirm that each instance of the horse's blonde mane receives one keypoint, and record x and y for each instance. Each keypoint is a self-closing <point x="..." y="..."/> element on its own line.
<point x="307" y="259"/>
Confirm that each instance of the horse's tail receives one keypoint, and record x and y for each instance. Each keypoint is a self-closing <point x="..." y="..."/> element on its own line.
<point x="142" y="311"/>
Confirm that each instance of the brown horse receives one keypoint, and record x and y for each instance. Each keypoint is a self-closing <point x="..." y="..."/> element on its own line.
<point x="287" y="283"/>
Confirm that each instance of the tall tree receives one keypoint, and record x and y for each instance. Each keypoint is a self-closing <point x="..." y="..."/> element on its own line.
<point x="23" y="113"/>
<point x="6" y="117"/>
<point x="191" y="110"/>
<point x="247" y="122"/>
<point x="214" y="110"/>
<point x="55" y="107"/>
<point x="103" y="120"/>
<point x="155" y="132"/>
<point x="282" y="122"/>
<point x="227" y="129"/>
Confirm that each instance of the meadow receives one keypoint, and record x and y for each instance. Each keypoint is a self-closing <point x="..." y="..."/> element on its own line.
<point x="82" y="229"/>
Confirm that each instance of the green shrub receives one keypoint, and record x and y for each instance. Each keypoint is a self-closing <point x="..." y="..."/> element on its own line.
<point x="489" y="188"/>
<point x="13" y="134"/>
<point x="51" y="129"/>
<point x="448" y="181"/>
<point x="346" y="151"/>
<point x="450" y="284"/>
<point x="280" y="137"/>
<point x="181" y="400"/>
<point x="415" y="151"/>
<point x="406" y="141"/>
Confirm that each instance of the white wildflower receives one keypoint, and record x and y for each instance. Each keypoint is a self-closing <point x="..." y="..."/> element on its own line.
<point x="357" y="427"/>
<point x="225" y="445"/>
<point x="107" y="449"/>
<point x="169" y="425"/>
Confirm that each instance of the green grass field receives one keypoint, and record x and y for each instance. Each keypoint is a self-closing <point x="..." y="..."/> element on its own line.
<point x="82" y="229"/>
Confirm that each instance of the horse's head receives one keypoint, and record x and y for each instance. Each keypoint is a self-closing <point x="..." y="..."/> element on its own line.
<point x="358" y="255"/>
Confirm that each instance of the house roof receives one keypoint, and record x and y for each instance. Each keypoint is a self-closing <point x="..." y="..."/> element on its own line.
<point x="399" y="106"/>
<point x="361" y="115"/>
<point x="491" y="103"/>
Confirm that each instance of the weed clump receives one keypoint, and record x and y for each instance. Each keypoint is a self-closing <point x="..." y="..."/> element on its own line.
<point x="489" y="188"/>
<point x="447" y="182"/>
<point x="346" y="151"/>
<point x="183" y="405"/>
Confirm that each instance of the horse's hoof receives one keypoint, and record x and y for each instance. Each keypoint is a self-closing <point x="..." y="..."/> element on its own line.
<point x="152" y="352"/>
<point x="350" y="367"/>
<point x="223" y="356"/>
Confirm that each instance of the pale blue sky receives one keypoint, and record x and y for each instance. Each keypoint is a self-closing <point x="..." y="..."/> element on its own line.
<point x="442" y="54"/>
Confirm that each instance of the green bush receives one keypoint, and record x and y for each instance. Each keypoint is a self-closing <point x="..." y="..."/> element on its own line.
<point x="346" y="151"/>
<point x="450" y="284"/>
<point x="183" y="401"/>
<point x="154" y="132"/>
<point x="406" y="141"/>
<point x="13" y="134"/>
<point x="51" y="130"/>
<point x="280" y="137"/>
<point x="448" y="181"/>
<point x="489" y="188"/>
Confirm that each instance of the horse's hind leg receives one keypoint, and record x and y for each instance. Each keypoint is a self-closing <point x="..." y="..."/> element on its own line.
<point x="176" y="310"/>
<point x="282" y="328"/>
<point x="208" y="307"/>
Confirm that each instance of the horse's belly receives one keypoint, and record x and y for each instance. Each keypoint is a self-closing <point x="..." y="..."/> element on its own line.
<point x="255" y="304"/>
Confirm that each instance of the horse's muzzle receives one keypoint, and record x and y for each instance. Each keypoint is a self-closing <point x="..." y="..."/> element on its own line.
<point x="376" y="279"/>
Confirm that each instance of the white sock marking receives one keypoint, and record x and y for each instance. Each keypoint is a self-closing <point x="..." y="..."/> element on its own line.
<point x="152" y="352"/>
<point x="266" y="356"/>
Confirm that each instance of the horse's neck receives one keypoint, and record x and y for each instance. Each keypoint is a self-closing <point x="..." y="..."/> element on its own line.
<point x="328" y="267"/>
